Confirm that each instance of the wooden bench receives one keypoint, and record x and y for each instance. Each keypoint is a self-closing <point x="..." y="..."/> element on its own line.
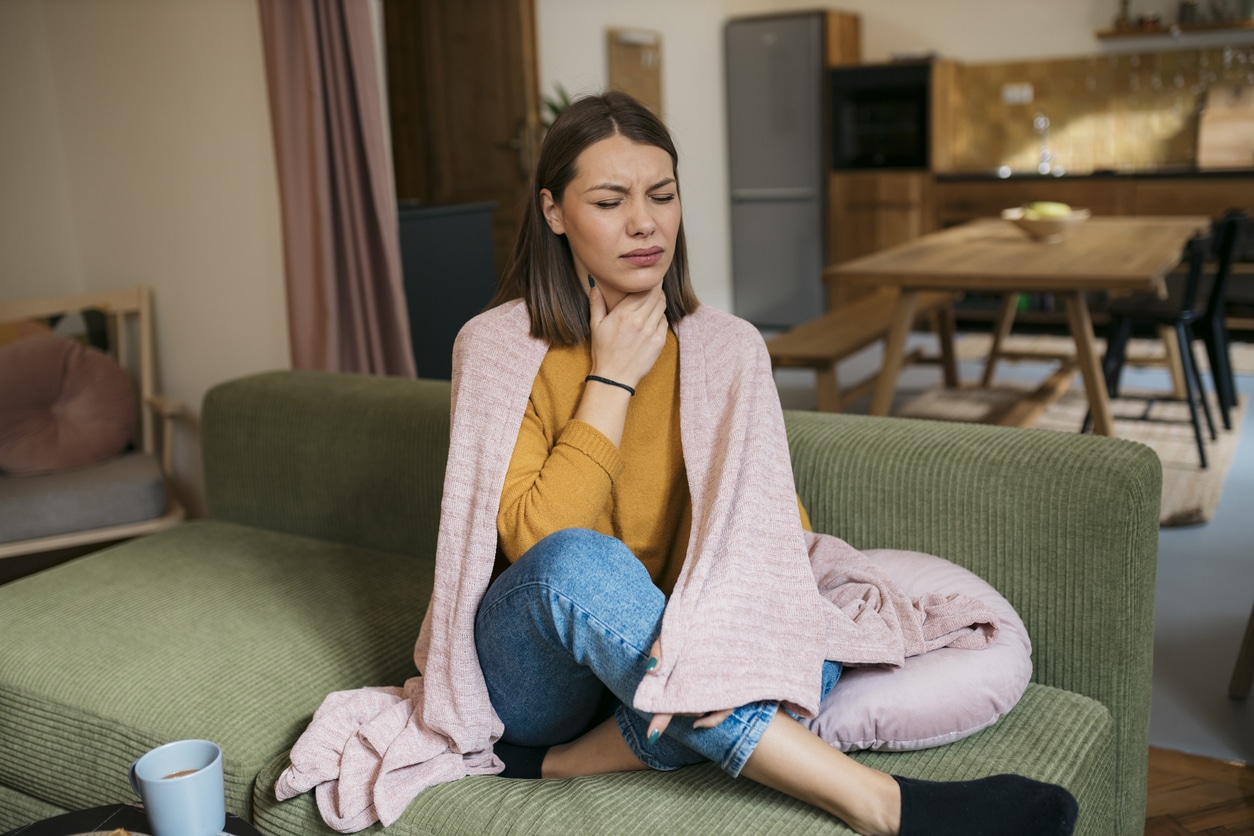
<point x="822" y="343"/>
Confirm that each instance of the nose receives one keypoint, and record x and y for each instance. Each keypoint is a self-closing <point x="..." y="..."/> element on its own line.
<point x="640" y="223"/>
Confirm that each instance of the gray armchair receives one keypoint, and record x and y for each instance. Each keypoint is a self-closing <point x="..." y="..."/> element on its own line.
<point x="121" y="495"/>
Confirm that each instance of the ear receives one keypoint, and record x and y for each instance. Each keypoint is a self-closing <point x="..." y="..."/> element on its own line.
<point x="552" y="212"/>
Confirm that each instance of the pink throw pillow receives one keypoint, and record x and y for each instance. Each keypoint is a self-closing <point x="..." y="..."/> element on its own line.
<point x="62" y="406"/>
<point x="938" y="697"/>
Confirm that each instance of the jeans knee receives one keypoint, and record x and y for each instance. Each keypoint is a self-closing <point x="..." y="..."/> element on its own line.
<point x="579" y="554"/>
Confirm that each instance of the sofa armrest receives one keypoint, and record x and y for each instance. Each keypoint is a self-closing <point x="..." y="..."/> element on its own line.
<point x="350" y="458"/>
<point x="1064" y="525"/>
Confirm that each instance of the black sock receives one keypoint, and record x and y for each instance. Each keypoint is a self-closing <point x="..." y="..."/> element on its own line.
<point x="999" y="804"/>
<point x="520" y="761"/>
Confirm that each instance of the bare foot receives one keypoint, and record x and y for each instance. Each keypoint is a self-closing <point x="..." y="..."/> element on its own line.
<point x="600" y="750"/>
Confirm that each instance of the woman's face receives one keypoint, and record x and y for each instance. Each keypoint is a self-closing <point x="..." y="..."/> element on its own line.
<point x="620" y="215"/>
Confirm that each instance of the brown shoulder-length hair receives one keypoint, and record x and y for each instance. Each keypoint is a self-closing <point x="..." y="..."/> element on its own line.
<point x="542" y="271"/>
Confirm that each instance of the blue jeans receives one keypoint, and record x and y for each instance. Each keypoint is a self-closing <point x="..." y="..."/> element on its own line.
<point x="577" y="615"/>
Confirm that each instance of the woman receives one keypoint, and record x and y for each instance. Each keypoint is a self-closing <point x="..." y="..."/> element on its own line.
<point x="623" y="531"/>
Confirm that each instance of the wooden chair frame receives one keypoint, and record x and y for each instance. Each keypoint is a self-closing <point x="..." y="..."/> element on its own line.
<point x="129" y="317"/>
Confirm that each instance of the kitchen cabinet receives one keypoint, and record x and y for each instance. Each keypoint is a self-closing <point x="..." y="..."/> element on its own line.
<point x="1192" y="195"/>
<point x="871" y="210"/>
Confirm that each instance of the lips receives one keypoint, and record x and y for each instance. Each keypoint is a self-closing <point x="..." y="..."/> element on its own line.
<point x="644" y="257"/>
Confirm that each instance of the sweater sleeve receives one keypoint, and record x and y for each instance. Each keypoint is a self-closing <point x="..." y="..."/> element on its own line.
<point x="552" y="485"/>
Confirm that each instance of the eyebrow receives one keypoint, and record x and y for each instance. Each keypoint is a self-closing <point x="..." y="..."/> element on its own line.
<point x="614" y="187"/>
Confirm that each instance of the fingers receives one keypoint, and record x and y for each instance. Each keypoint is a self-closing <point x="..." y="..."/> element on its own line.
<point x="596" y="302"/>
<point x="627" y="340"/>
<point x="660" y="721"/>
<point x="658" y="725"/>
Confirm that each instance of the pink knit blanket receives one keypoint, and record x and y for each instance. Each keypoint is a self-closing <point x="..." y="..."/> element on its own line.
<point x="759" y="605"/>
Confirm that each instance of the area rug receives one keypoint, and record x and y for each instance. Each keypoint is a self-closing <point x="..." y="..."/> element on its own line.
<point x="976" y="346"/>
<point x="1190" y="494"/>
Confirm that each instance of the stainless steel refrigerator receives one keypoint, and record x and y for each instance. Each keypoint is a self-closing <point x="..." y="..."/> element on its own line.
<point x="775" y="74"/>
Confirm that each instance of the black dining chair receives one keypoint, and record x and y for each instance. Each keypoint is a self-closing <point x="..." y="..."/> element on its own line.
<point x="1231" y="235"/>
<point x="1179" y="310"/>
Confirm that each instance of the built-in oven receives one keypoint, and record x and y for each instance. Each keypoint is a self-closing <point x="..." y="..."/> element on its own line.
<point x="881" y="116"/>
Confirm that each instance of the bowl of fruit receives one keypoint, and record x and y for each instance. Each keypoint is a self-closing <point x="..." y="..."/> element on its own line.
<point x="1046" y="220"/>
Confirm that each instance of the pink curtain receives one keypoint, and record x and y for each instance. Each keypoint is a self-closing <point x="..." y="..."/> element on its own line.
<point x="345" y="298"/>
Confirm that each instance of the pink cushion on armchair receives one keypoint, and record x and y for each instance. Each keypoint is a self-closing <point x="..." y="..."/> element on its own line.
<point x="941" y="696"/>
<point x="62" y="406"/>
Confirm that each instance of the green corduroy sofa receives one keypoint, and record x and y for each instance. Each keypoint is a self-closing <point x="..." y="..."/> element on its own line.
<point x="312" y="571"/>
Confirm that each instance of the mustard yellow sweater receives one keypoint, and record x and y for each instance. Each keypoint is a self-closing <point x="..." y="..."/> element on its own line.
<point x="566" y="474"/>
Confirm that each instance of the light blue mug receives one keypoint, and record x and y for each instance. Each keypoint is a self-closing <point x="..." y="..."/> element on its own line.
<point x="181" y="786"/>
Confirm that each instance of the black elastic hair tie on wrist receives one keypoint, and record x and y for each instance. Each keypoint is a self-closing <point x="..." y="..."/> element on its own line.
<point x="610" y="382"/>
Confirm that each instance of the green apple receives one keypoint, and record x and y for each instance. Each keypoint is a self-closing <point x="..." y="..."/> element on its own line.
<point x="1046" y="209"/>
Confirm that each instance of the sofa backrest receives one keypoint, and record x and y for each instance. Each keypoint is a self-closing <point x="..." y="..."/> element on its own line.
<point x="349" y="458"/>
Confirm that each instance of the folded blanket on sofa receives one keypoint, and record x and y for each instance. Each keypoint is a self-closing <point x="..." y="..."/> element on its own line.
<point x="759" y="605"/>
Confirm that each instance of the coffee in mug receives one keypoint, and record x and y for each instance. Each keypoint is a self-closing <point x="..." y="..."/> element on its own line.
<point x="180" y="774"/>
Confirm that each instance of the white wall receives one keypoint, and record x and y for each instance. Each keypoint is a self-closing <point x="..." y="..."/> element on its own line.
<point x="141" y="152"/>
<point x="38" y="248"/>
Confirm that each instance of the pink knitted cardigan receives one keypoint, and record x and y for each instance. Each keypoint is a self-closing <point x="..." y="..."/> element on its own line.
<point x="759" y="605"/>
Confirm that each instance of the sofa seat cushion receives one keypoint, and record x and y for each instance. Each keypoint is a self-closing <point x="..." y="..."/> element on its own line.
<point x="127" y="489"/>
<point x="1052" y="735"/>
<point x="207" y="630"/>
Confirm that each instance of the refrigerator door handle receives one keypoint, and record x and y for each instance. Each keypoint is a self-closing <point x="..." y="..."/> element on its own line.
<point x="796" y="193"/>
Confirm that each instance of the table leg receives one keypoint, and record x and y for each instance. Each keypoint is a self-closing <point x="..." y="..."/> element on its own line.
<point x="827" y="389"/>
<point x="1090" y="365"/>
<point x="1001" y="330"/>
<point x="945" y="334"/>
<point x="894" y="351"/>
<point x="1175" y="365"/>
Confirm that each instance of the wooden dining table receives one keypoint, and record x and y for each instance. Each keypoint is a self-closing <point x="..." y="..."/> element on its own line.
<point x="991" y="255"/>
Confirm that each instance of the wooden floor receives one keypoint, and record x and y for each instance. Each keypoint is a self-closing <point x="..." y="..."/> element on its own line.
<point x="1190" y="794"/>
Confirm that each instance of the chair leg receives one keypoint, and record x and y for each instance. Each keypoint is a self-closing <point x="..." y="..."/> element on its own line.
<point x="1197" y="381"/>
<point x="1216" y="338"/>
<point x="1192" y="386"/>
